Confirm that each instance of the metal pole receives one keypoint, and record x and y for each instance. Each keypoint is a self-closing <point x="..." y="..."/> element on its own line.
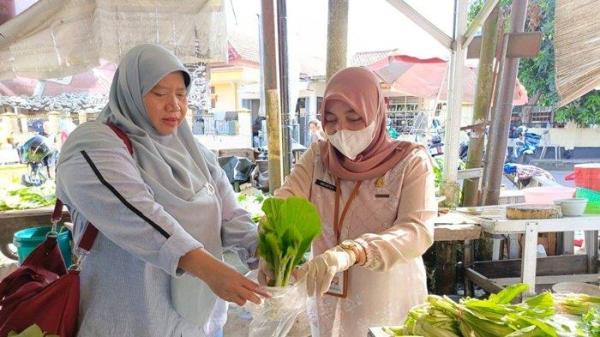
<point x="269" y="41"/>
<point x="284" y="86"/>
<point x="337" y="36"/>
<point x="501" y="119"/>
<point x="450" y="188"/>
<point x="481" y="106"/>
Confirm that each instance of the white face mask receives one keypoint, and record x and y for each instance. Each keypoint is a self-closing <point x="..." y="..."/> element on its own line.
<point x="352" y="143"/>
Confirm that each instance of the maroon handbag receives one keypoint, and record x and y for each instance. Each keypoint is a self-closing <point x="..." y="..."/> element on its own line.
<point x="42" y="290"/>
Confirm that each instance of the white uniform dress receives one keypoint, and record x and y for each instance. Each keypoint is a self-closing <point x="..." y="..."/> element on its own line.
<point x="391" y="217"/>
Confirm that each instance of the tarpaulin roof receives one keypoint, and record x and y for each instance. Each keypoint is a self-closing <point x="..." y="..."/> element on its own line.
<point x="576" y="48"/>
<point x="95" y="81"/>
<point x="411" y="76"/>
<point x="57" y="38"/>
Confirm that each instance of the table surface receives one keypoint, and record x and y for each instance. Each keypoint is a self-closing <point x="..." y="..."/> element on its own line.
<point x="492" y="219"/>
<point x="448" y="227"/>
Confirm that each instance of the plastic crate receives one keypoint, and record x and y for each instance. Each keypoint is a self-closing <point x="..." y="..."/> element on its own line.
<point x="586" y="176"/>
<point x="593" y="197"/>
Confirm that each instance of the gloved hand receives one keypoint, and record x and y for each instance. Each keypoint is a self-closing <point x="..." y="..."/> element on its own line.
<point x="264" y="273"/>
<point x="319" y="271"/>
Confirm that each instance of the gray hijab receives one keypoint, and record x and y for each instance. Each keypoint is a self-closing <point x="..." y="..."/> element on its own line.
<point x="169" y="164"/>
<point x="175" y="167"/>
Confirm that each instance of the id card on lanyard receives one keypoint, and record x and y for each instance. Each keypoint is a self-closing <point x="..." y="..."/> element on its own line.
<point x="339" y="284"/>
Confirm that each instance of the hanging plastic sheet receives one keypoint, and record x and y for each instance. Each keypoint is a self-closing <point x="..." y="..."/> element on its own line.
<point x="56" y="38"/>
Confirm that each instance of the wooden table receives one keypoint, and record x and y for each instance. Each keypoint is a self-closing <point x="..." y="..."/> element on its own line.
<point x="493" y="222"/>
<point x="450" y="229"/>
<point x="13" y="221"/>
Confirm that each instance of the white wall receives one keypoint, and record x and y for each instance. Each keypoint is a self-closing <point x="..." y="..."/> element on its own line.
<point x="572" y="137"/>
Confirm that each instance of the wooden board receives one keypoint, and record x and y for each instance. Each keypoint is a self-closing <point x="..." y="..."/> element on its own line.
<point x="458" y="232"/>
<point x="551" y="265"/>
<point x="533" y="212"/>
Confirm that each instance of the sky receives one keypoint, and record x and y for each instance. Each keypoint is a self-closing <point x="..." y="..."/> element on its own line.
<point x="372" y="25"/>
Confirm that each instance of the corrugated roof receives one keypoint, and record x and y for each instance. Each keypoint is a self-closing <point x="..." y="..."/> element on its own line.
<point x="243" y="49"/>
<point x="366" y="58"/>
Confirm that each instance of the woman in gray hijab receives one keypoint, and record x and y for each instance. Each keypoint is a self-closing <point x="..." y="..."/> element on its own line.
<point x="164" y="214"/>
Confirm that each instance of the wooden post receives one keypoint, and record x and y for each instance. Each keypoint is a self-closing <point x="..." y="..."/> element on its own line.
<point x="269" y="61"/>
<point x="337" y="36"/>
<point x="481" y="106"/>
<point x="445" y="267"/>
<point x="501" y="119"/>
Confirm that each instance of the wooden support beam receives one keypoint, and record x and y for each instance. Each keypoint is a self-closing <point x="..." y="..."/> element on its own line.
<point x="337" y="36"/>
<point x="550" y="279"/>
<point x="478" y="22"/>
<point x="271" y="89"/>
<point x="482" y="281"/>
<point x="523" y="44"/>
<point x="422" y="22"/>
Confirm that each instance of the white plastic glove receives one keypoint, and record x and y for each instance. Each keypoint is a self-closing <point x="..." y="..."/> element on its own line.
<point x="319" y="271"/>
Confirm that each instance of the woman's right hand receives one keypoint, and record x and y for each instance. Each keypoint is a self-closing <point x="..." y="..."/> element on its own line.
<point x="223" y="280"/>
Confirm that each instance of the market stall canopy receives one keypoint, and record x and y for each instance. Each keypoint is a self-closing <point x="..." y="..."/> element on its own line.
<point x="58" y="38"/>
<point x="576" y="48"/>
<point x="411" y="76"/>
<point x="95" y="81"/>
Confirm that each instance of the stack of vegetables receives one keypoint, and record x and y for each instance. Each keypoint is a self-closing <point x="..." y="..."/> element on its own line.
<point x="538" y="316"/>
<point x="14" y="196"/>
<point x="285" y="235"/>
<point x="251" y="200"/>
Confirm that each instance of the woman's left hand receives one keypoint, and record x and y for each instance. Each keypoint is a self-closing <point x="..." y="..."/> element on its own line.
<point x="319" y="271"/>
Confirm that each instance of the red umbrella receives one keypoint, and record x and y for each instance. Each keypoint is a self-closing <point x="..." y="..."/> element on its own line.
<point x="411" y="76"/>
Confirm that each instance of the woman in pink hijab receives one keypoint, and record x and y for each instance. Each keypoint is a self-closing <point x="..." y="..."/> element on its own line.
<point x="377" y="201"/>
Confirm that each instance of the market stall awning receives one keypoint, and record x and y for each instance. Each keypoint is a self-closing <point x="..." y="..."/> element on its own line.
<point x="95" y="82"/>
<point x="411" y="76"/>
<point x="57" y="38"/>
<point x="576" y="48"/>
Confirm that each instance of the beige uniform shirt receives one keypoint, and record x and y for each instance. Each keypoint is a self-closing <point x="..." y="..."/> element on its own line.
<point x="392" y="217"/>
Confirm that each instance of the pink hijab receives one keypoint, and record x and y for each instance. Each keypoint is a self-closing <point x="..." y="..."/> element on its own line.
<point x="359" y="88"/>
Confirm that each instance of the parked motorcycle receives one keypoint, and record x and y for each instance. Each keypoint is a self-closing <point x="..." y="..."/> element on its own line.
<point x="435" y="146"/>
<point x="37" y="152"/>
<point x="524" y="147"/>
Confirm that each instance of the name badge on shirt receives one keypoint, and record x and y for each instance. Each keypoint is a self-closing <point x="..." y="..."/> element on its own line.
<point x="325" y="184"/>
<point x="339" y="285"/>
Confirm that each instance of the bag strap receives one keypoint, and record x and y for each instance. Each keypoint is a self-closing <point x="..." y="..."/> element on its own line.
<point x="90" y="233"/>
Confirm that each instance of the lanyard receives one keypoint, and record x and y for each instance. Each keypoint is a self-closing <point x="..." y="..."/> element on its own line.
<point x="338" y="222"/>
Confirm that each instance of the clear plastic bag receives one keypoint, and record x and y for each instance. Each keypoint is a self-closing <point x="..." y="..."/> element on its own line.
<point x="275" y="316"/>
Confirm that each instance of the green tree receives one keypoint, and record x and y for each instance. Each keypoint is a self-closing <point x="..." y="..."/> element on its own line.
<point x="537" y="74"/>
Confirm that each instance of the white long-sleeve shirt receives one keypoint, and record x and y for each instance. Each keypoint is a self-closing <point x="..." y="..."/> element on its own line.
<point x="126" y="278"/>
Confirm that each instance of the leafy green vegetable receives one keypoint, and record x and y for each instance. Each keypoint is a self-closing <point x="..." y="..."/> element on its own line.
<point x="285" y="234"/>
<point x="591" y="321"/>
<point x="494" y="317"/>
<point x="577" y="304"/>
<point x="13" y="196"/>
<point x="251" y="200"/>
<point x="31" y="331"/>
